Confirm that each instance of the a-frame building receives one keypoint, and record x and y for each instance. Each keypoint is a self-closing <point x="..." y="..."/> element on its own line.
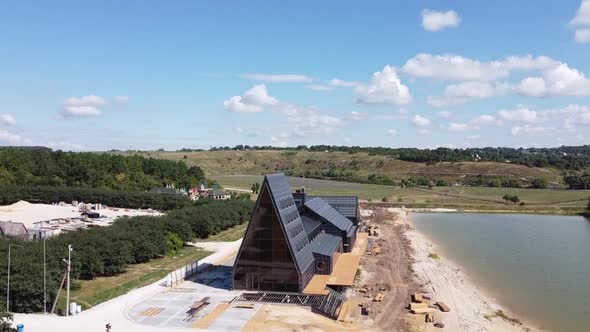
<point x="275" y="254"/>
<point x="292" y="237"/>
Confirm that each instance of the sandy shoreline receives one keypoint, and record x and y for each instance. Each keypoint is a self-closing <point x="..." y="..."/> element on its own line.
<point x="471" y="308"/>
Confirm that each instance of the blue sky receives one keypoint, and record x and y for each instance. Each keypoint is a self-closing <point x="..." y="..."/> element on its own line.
<point x="98" y="75"/>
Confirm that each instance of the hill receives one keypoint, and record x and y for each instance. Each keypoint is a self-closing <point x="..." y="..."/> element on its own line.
<point x="361" y="167"/>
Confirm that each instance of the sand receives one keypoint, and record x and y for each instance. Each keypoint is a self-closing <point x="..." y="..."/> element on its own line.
<point x="471" y="308"/>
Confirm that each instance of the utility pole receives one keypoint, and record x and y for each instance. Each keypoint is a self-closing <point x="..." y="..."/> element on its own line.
<point x="8" y="278"/>
<point x="69" y="270"/>
<point x="44" y="274"/>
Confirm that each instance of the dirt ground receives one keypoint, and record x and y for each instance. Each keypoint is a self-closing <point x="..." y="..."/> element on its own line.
<point x="389" y="270"/>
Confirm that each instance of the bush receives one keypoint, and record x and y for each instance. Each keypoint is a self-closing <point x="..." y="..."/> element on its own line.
<point x="539" y="183"/>
<point x="384" y="200"/>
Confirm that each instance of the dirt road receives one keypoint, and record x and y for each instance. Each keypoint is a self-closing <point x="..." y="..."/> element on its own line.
<point x="390" y="267"/>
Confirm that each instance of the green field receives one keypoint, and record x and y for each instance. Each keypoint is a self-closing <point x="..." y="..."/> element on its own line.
<point x="478" y="198"/>
<point x="89" y="293"/>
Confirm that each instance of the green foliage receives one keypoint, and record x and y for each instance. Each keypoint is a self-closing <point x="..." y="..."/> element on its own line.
<point x="539" y="183"/>
<point x="511" y="198"/>
<point x="380" y="179"/>
<point x="384" y="200"/>
<point x="415" y="181"/>
<point x="441" y="183"/>
<point x="577" y="181"/>
<point x="255" y="188"/>
<point x="128" y="199"/>
<point x="6" y="322"/>
<point x="44" y="167"/>
<point x="108" y="251"/>
<point x="433" y="256"/>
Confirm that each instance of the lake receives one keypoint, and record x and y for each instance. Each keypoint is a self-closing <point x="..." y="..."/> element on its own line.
<point x="537" y="266"/>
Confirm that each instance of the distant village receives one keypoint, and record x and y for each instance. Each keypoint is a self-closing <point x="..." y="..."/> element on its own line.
<point x="199" y="192"/>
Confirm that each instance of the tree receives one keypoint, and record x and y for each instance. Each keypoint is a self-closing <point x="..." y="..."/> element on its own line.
<point x="6" y="322"/>
<point x="511" y="198"/>
<point x="539" y="183"/>
<point x="255" y="188"/>
<point x="588" y="207"/>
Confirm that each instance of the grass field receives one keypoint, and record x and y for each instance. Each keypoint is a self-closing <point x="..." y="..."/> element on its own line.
<point x="360" y="164"/>
<point x="478" y="198"/>
<point x="228" y="235"/>
<point x="93" y="292"/>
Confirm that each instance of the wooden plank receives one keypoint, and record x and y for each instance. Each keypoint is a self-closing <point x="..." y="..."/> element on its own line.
<point x="442" y="306"/>
<point x="209" y="318"/>
<point x="422" y="310"/>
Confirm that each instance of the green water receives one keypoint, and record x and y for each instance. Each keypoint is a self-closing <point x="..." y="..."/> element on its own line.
<point x="535" y="265"/>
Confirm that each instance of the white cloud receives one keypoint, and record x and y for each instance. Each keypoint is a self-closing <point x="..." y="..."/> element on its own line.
<point x="444" y="114"/>
<point x="309" y="121"/>
<point x="8" y="138"/>
<point x="582" y="17"/>
<point x="341" y="83"/>
<point x="473" y="137"/>
<point x="484" y="119"/>
<point x="435" y="21"/>
<point x="356" y="116"/>
<point x="458" y="127"/>
<point x="253" y="100"/>
<point x="527" y="130"/>
<point x="319" y="87"/>
<point x="583" y="35"/>
<point x="421" y="121"/>
<point x="456" y="94"/>
<point x="457" y="68"/>
<point x="385" y="88"/>
<point x="521" y="114"/>
<point x="532" y="87"/>
<point x="391" y="132"/>
<point x="280" y="141"/>
<point x="82" y="106"/>
<point x="280" y="78"/>
<point x="7" y="120"/>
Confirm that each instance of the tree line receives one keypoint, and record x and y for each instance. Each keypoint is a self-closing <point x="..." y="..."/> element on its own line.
<point x="108" y="251"/>
<point x="44" y="167"/>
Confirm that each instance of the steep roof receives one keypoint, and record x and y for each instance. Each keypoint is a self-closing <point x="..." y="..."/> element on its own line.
<point x="9" y="228"/>
<point x="290" y="219"/>
<point x="346" y="205"/>
<point x="327" y="212"/>
<point x="310" y="224"/>
<point x="325" y="244"/>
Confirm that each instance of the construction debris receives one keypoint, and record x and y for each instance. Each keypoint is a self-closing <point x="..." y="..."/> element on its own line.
<point x="417" y="297"/>
<point x="439" y="324"/>
<point x="362" y="290"/>
<point x="430" y="318"/>
<point x="442" y="306"/>
<point x="244" y="306"/>
<point x="422" y="310"/>
<point x="198" y="305"/>
<point x="379" y="297"/>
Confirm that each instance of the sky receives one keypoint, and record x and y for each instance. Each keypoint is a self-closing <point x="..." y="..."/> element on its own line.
<point x="101" y="75"/>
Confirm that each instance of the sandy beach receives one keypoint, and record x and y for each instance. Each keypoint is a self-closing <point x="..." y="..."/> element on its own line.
<point x="471" y="308"/>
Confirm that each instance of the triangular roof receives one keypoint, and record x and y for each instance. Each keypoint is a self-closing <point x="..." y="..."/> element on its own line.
<point x="327" y="212"/>
<point x="288" y="215"/>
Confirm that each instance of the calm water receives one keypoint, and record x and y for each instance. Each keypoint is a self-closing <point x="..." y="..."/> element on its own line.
<point x="537" y="266"/>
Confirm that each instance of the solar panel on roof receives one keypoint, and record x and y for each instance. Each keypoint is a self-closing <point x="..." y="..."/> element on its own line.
<point x="324" y="210"/>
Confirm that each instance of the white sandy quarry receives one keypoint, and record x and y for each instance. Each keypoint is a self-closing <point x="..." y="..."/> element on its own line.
<point x="447" y="282"/>
<point x="29" y="214"/>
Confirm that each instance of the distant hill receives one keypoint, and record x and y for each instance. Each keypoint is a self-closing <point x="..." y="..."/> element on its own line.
<point x="360" y="167"/>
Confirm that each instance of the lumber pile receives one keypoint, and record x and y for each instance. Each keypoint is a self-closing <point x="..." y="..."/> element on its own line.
<point x="442" y="306"/>
<point x="430" y="318"/>
<point x="379" y="297"/>
<point x="417" y="298"/>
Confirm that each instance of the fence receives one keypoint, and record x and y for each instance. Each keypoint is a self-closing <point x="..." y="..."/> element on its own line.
<point x="179" y="275"/>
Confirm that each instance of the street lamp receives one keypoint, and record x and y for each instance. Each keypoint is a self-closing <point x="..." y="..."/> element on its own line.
<point x="68" y="289"/>
<point x="8" y="278"/>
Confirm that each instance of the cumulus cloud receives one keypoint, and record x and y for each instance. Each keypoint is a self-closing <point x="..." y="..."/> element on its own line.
<point x="520" y="114"/>
<point x="84" y="106"/>
<point x="456" y="94"/>
<point x="306" y="121"/>
<point x="581" y="22"/>
<point x="278" y="78"/>
<point x="421" y="121"/>
<point x="252" y="101"/>
<point x="435" y="21"/>
<point x="458" y="68"/>
<point x="385" y="88"/>
<point x="8" y="138"/>
<point x="423" y="131"/>
<point x="7" y="120"/>
<point x="484" y="119"/>
<point x="560" y="80"/>
<point x="458" y="127"/>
